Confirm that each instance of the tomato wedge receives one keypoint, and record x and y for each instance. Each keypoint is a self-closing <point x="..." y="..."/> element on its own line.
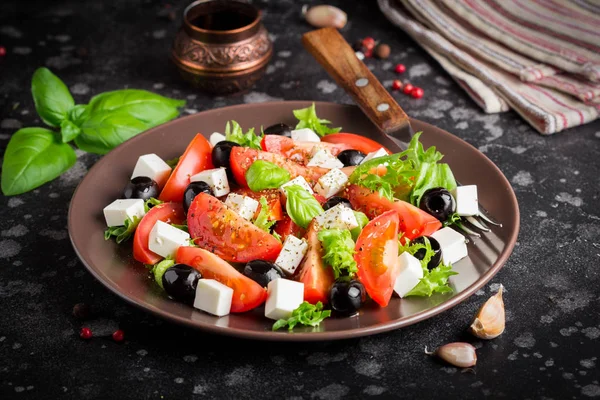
<point x="353" y="141"/>
<point x="296" y="150"/>
<point x="414" y="222"/>
<point x="247" y="294"/>
<point x="243" y="157"/>
<point x="216" y="228"/>
<point x="314" y="274"/>
<point x="377" y="256"/>
<point x="171" y="213"/>
<point x="197" y="158"/>
<point x="287" y="227"/>
<point x="273" y="200"/>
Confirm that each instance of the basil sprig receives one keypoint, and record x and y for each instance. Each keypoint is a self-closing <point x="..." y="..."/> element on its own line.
<point x="35" y="156"/>
<point x="265" y="175"/>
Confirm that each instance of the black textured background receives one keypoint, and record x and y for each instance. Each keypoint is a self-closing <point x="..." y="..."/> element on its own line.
<point x="552" y="280"/>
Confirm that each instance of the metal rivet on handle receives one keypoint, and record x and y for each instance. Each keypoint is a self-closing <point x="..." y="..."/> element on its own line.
<point x="383" y="107"/>
<point x="362" y="82"/>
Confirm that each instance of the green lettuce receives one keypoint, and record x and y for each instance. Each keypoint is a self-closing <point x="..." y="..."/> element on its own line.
<point x="234" y="133"/>
<point x="434" y="281"/>
<point x="307" y="118"/>
<point x="339" y="251"/>
<point x="306" y="314"/>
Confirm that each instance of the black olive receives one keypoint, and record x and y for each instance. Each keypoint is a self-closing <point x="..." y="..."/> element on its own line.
<point x="351" y="157"/>
<point x="347" y="296"/>
<point x="334" y="201"/>
<point x="180" y="281"/>
<point x="280" y="129"/>
<point x="435" y="246"/>
<point x="439" y="203"/>
<point x="262" y="272"/>
<point x="193" y="190"/>
<point x="221" y="155"/>
<point x="141" y="187"/>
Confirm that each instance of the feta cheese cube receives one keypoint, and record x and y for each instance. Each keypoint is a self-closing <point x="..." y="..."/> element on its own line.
<point x="410" y="274"/>
<point x="374" y="154"/>
<point x="299" y="180"/>
<point x="305" y="135"/>
<point x="213" y="297"/>
<point x="452" y="244"/>
<point x="243" y="205"/>
<point x="324" y="159"/>
<point x="291" y="254"/>
<point x="331" y="183"/>
<point x="118" y="211"/>
<point x="283" y="297"/>
<point x="338" y="217"/>
<point x="215" y="138"/>
<point x="165" y="239"/>
<point x="466" y="200"/>
<point x="153" y="167"/>
<point x="215" y="178"/>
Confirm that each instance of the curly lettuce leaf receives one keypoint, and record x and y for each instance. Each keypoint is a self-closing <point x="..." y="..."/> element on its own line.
<point x="123" y="232"/>
<point x="395" y="174"/>
<point x="362" y="220"/>
<point x="307" y="118"/>
<point x="262" y="219"/>
<point x="306" y="314"/>
<point x="234" y="133"/>
<point x="434" y="281"/>
<point x="338" y="248"/>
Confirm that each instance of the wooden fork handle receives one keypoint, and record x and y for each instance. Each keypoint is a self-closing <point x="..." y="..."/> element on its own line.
<point x="332" y="51"/>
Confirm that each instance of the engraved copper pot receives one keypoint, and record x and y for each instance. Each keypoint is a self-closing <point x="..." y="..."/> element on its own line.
<point x="222" y="46"/>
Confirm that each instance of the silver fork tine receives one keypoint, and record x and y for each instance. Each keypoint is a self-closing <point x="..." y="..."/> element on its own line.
<point x="466" y="230"/>
<point x="483" y="216"/>
<point x="477" y="224"/>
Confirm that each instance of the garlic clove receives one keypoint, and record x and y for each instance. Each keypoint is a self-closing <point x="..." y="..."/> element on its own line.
<point x="324" y="16"/>
<point x="489" y="322"/>
<point x="459" y="354"/>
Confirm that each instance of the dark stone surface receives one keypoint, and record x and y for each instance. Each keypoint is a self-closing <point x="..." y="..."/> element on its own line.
<point x="552" y="280"/>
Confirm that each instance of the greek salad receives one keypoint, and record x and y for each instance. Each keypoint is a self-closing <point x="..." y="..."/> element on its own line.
<point x="308" y="221"/>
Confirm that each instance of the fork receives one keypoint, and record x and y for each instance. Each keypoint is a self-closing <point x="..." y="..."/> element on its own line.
<point x="336" y="56"/>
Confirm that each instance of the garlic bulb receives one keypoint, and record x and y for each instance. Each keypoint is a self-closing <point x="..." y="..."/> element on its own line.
<point x="459" y="354"/>
<point x="490" y="319"/>
<point x="323" y="16"/>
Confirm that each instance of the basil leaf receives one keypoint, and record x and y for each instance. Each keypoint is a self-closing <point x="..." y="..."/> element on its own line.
<point x="51" y="97"/>
<point x="301" y="206"/>
<point x="147" y="107"/>
<point x="105" y="130"/>
<point x="266" y="175"/>
<point x="68" y="131"/>
<point x="307" y="118"/>
<point x="77" y="114"/>
<point x="33" y="157"/>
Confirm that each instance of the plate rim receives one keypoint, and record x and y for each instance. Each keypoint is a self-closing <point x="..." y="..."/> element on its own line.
<point x="308" y="336"/>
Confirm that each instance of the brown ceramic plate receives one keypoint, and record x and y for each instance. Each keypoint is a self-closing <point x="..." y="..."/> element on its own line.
<point x="115" y="268"/>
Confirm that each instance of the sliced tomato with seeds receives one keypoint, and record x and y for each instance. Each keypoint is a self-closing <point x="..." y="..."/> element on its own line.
<point x="197" y="158"/>
<point x="171" y="213"/>
<point x="414" y="222"/>
<point x="216" y="228"/>
<point x="247" y="294"/>
<point x="243" y="157"/>
<point x="354" y="141"/>
<point x="377" y="256"/>
<point x="313" y="273"/>
<point x="296" y="150"/>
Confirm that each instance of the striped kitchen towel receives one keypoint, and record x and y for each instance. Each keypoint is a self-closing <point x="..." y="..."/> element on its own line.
<point x="496" y="74"/>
